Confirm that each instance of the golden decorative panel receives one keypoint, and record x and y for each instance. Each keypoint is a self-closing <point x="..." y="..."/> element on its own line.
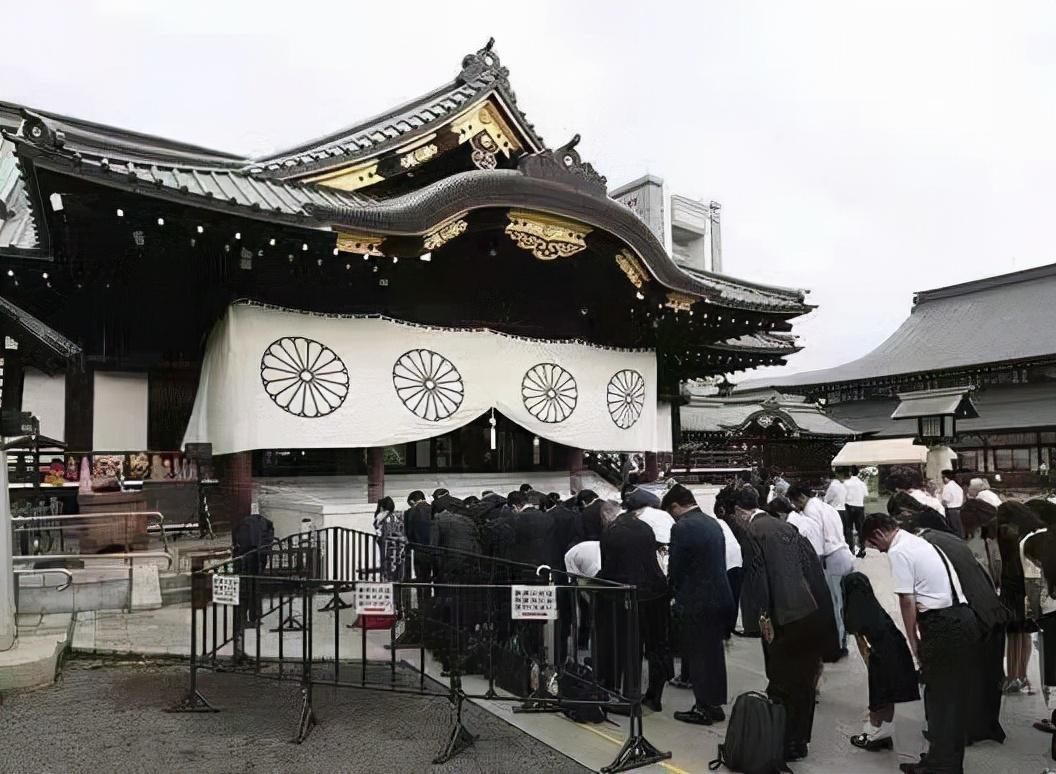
<point x="418" y="156"/>
<point x="632" y="267"/>
<point x="680" y="302"/>
<point x="445" y="234"/>
<point x="351" y="178"/>
<point x="486" y="118"/>
<point x="546" y="236"/>
<point x="361" y="244"/>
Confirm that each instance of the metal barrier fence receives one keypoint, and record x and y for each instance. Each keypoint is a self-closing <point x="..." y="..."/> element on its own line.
<point x="498" y="630"/>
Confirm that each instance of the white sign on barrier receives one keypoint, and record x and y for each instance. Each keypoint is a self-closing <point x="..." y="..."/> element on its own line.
<point x="534" y="603"/>
<point x="375" y="599"/>
<point x="225" y="589"/>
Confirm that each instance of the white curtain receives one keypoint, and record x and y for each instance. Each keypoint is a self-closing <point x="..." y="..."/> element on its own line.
<point x="119" y="416"/>
<point x="45" y="398"/>
<point x="286" y="379"/>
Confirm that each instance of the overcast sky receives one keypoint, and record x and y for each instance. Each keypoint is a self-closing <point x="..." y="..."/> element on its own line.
<point x="862" y="150"/>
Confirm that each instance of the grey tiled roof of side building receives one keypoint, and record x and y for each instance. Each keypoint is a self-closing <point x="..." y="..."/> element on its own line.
<point x="1005" y="318"/>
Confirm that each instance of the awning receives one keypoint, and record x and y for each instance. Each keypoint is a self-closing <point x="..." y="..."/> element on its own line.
<point x="887" y="451"/>
<point x="951" y="401"/>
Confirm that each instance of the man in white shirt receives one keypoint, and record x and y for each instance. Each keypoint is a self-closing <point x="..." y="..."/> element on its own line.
<point x="910" y="481"/>
<point x="835" y="555"/>
<point x="952" y="500"/>
<point x="856" y="493"/>
<point x="980" y="488"/>
<point x="942" y="634"/>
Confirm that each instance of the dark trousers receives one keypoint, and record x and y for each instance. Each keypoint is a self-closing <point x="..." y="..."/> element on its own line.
<point x="984" y="690"/>
<point x="793" y="666"/>
<point x="586" y="618"/>
<point x="423" y="567"/>
<point x="853" y="519"/>
<point x="615" y="661"/>
<point x="948" y="641"/>
<point x="703" y="659"/>
<point x="953" y="518"/>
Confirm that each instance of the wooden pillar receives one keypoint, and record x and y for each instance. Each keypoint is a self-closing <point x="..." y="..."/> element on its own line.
<point x="652" y="468"/>
<point x="235" y="474"/>
<point x="80" y="400"/>
<point x="375" y="474"/>
<point x="575" y="470"/>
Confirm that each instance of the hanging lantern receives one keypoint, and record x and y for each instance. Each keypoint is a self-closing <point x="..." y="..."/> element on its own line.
<point x="491" y="421"/>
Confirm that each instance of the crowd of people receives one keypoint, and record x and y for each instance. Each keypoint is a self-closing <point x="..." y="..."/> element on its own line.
<point x="780" y="559"/>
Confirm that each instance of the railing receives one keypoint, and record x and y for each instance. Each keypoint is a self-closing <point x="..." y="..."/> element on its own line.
<point x="456" y="609"/>
<point x="66" y="574"/>
<point x="129" y="556"/>
<point x="39" y="534"/>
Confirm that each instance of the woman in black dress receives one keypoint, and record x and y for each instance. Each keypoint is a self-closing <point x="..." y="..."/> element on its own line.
<point x="892" y="674"/>
<point x="1014" y="522"/>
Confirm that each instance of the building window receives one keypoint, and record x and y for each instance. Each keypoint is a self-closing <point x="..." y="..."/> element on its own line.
<point x="970" y="460"/>
<point x="1012" y="459"/>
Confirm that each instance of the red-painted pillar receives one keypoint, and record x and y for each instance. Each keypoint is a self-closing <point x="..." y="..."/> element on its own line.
<point x="652" y="468"/>
<point x="375" y="474"/>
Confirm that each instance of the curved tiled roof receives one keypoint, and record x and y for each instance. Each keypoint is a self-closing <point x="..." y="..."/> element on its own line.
<point x="1010" y="317"/>
<point x="482" y="74"/>
<point x="730" y="414"/>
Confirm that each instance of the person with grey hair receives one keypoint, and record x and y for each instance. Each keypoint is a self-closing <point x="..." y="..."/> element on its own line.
<point x="979" y="488"/>
<point x="610" y="509"/>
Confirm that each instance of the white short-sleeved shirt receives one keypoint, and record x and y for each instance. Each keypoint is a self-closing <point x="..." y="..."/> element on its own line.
<point x="733" y="548"/>
<point x="584" y="558"/>
<point x="989" y="496"/>
<point x="810" y="529"/>
<point x="917" y="568"/>
<point x="836" y="494"/>
<point x="660" y="522"/>
<point x="831" y="526"/>
<point x="924" y="498"/>
<point x="856" y="491"/>
<point x="952" y="495"/>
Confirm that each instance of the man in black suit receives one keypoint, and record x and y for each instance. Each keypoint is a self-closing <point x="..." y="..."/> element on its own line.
<point x="250" y="540"/>
<point x="417" y="527"/>
<point x="628" y="557"/>
<point x="794" y="613"/>
<point x="697" y="568"/>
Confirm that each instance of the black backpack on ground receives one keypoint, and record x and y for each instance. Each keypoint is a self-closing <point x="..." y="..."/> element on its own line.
<point x="755" y="737"/>
<point x="576" y="683"/>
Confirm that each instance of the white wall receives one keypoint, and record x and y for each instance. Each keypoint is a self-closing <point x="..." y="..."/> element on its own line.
<point x="119" y="421"/>
<point x="45" y="397"/>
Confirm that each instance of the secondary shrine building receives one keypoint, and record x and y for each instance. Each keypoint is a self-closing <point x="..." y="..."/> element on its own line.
<point x="434" y="288"/>
<point x="993" y="334"/>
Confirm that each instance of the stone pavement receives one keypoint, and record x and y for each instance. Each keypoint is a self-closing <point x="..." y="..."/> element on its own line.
<point x="106" y="717"/>
<point x="839" y="713"/>
<point x="37" y="652"/>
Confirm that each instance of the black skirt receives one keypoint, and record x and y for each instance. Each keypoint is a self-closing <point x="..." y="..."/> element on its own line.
<point x="892" y="674"/>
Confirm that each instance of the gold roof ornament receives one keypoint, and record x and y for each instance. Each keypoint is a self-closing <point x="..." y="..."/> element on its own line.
<point x="444" y="234"/>
<point x="418" y="156"/>
<point x="680" y="302"/>
<point x="361" y="244"/>
<point x="350" y="178"/>
<point x="546" y="236"/>
<point x="632" y="267"/>
<point x="485" y="118"/>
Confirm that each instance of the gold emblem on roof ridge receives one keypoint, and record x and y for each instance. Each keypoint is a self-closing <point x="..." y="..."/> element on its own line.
<point x="546" y="236"/>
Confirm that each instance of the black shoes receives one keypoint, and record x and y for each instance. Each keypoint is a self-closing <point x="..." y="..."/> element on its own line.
<point x="695" y="716"/>
<point x="701" y="716"/>
<point x="795" y="751"/>
<point x="715" y="713"/>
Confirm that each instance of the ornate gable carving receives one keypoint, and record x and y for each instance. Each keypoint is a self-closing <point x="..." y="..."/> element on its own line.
<point x="564" y="166"/>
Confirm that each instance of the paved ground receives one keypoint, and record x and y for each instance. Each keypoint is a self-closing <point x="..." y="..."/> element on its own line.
<point x="107" y="717"/>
